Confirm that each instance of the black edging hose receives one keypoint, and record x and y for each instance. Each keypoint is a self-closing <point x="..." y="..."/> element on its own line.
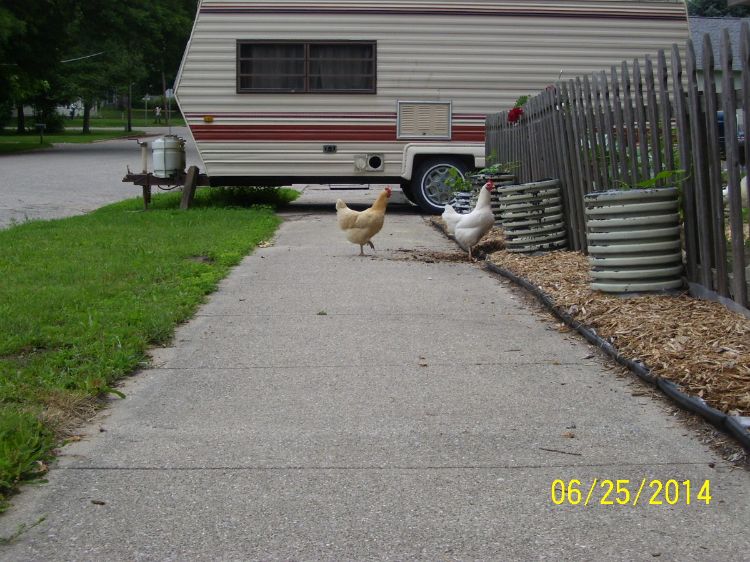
<point x="717" y="418"/>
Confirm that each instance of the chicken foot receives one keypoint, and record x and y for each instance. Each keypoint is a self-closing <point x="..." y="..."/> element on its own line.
<point x="362" y="246"/>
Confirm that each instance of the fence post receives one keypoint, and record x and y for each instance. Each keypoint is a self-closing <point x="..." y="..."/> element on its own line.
<point x="739" y="288"/>
<point x="685" y="150"/>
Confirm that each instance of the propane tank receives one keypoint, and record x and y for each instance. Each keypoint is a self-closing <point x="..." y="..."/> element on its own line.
<point x="169" y="156"/>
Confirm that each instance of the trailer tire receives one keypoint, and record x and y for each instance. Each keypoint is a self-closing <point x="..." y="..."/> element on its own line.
<point x="428" y="186"/>
<point x="408" y="193"/>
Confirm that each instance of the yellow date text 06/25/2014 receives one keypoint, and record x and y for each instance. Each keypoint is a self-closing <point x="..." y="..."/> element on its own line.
<point x="630" y="492"/>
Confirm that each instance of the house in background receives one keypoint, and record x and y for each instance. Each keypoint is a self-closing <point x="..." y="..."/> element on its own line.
<point x="714" y="28"/>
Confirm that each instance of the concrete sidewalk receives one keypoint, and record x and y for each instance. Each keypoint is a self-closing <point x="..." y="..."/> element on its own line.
<point x="323" y="406"/>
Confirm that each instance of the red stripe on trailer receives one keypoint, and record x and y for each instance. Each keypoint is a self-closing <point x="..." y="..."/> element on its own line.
<point x="293" y="132"/>
<point x="312" y="133"/>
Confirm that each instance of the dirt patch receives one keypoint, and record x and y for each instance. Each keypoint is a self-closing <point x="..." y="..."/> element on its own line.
<point x="202" y="259"/>
<point x="66" y="412"/>
<point x="428" y="256"/>
<point x="493" y="241"/>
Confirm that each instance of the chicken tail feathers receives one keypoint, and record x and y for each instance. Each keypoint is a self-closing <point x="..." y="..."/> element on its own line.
<point x="340" y="205"/>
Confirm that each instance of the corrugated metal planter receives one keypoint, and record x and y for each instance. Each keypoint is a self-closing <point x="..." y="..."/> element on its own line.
<point x="532" y="216"/>
<point x="463" y="201"/>
<point x="634" y="240"/>
<point x="500" y="180"/>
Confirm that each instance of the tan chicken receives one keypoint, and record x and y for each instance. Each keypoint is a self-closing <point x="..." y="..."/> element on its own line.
<point x="361" y="226"/>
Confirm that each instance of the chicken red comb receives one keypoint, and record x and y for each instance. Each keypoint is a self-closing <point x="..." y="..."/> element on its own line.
<point x="388" y="190"/>
<point x="490" y="185"/>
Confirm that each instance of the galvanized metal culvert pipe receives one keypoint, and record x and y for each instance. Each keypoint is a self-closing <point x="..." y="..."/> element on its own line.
<point x="634" y="240"/>
<point x="532" y="216"/>
<point x="463" y="201"/>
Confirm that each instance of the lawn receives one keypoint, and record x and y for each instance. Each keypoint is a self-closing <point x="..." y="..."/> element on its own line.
<point x="12" y="143"/>
<point x="83" y="298"/>
<point x="118" y="118"/>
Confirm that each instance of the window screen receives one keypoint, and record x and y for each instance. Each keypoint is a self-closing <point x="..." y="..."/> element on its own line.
<point x="313" y="67"/>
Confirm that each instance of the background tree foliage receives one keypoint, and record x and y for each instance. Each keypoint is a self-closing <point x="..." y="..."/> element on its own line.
<point x="46" y="48"/>
<point x="715" y="9"/>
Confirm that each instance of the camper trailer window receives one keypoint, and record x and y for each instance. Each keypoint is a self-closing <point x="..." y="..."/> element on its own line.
<point x="342" y="67"/>
<point x="269" y="67"/>
<point x="306" y="67"/>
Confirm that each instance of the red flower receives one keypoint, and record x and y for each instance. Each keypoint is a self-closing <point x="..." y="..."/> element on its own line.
<point x="515" y="114"/>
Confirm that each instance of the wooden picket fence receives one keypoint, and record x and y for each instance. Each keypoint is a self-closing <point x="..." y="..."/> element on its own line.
<point x="620" y="128"/>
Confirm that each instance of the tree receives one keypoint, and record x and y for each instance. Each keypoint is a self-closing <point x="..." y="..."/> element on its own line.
<point x="136" y="46"/>
<point x="10" y="27"/>
<point x="715" y="9"/>
<point x="33" y="34"/>
<point x="142" y="43"/>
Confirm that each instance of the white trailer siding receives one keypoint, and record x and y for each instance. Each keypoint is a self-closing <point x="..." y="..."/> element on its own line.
<point x="480" y="56"/>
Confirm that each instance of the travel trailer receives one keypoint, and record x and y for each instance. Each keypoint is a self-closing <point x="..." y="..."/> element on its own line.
<point x="396" y="91"/>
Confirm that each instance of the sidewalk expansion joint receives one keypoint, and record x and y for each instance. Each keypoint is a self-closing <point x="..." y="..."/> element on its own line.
<point x="375" y="468"/>
<point x="369" y="366"/>
<point x="366" y="312"/>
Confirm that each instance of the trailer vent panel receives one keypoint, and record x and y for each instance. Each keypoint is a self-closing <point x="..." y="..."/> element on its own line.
<point x="424" y="120"/>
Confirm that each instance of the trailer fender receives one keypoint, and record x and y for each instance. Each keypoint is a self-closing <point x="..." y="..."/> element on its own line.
<point x="412" y="150"/>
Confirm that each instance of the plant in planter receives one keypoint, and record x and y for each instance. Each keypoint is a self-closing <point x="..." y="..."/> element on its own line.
<point x="633" y="236"/>
<point x="464" y="189"/>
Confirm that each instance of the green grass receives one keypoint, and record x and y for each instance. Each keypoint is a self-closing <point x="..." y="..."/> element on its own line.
<point x="118" y="118"/>
<point x="12" y="143"/>
<point x="83" y="298"/>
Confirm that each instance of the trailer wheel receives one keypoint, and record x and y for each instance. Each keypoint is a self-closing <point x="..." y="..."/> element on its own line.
<point x="429" y="183"/>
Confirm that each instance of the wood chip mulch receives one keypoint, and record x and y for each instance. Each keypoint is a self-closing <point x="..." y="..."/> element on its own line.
<point x="701" y="345"/>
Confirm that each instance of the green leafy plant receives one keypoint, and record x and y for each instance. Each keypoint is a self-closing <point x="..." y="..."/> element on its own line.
<point x="499" y="168"/>
<point x="662" y="179"/>
<point x="521" y="101"/>
<point x="467" y="183"/>
<point x="458" y="182"/>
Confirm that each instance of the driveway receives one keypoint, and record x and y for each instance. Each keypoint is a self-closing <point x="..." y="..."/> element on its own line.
<point x="70" y="179"/>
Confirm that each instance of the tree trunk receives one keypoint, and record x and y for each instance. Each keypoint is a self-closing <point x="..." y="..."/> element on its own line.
<point x="165" y="103"/>
<point x="86" y="117"/>
<point x="129" y="128"/>
<point x="21" y="121"/>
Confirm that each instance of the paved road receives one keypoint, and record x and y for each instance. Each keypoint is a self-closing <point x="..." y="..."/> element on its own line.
<point x="71" y="179"/>
<point x="323" y="406"/>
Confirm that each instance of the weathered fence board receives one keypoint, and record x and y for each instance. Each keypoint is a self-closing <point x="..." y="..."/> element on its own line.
<point x="625" y="126"/>
<point x="729" y="97"/>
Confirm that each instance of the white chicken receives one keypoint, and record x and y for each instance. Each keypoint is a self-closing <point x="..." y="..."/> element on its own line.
<point x="743" y="192"/>
<point x="450" y="218"/>
<point x="472" y="227"/>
